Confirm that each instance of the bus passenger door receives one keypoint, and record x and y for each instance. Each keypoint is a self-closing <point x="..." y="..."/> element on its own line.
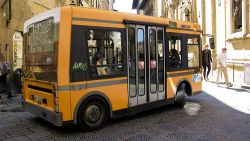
<point x="136" y="65"/>
<point x="156" y="64"/>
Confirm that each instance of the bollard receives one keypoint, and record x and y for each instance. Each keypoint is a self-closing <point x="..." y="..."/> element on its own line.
<point x="233" y="71"/>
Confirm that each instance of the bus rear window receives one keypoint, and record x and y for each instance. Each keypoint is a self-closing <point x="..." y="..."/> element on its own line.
<point x="41" y="37"/>
<point x="41" y="47"/>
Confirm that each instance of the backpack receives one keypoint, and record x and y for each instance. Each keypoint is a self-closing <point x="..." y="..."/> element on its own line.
<point x="5" y="68"/>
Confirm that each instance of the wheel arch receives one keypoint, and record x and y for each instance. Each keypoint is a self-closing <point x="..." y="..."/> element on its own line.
<point x="188" y="86"/>
<point x="89" y="95"/>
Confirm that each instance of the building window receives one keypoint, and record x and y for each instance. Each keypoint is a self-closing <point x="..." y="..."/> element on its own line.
<point x="149" y="10"/>
<point x="6" y="11"/>
<point x="237" y="15"/>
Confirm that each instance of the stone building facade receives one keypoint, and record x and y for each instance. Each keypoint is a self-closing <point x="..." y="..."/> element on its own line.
<point x="223" y="22"/>
<point x="228" y="23"/>
<point x="172" y="9"/>
<point x="99" y="4"/>
<point x="13" y="14"/>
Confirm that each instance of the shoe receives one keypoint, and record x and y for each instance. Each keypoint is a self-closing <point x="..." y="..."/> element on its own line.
<point x="217" y="84"/>
<point x="9" y="96"/>
<point x="230" y="85"/>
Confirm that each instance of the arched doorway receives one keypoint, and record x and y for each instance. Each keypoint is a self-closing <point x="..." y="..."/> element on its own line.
<point x="17" y="50"/>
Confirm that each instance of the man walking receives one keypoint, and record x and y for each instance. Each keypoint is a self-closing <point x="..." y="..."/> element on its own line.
<point x="206" y="61"/>
<point x="222" y="67"/>
<point x="4" y="71"/>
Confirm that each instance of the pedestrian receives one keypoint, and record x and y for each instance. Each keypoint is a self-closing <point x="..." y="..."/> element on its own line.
<point x="206" y="61"/>
<point x="4" y="71"/>
<point x="222" y="67"/>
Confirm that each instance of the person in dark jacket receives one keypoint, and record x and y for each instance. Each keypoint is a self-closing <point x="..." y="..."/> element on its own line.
<point x="3" y="78"/>
<point x="206" y="61"/>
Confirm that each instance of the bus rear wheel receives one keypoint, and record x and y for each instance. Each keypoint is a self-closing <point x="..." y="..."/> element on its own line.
<point x="180" y="96"/>
<point x="93" y="114"/>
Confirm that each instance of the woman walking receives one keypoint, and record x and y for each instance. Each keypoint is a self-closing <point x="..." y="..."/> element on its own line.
<point x="206" y="61"/>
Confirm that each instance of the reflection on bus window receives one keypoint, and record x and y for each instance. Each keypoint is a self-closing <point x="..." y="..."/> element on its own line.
<point x="41" y="50"/>
<point x="153" y="65"/>
<point x="193" y="52"/>
<point x="105" y="52"/>
<point x="141" y="61"/>
<point x="175" y="52"/>
<point x="132" y="62"/>
<point x="98" y="61"/>
<point x="160" y="60"/>
<point x="42" y="37"/>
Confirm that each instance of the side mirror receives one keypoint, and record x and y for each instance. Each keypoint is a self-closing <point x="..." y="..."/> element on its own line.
<point x="211" y="43"/>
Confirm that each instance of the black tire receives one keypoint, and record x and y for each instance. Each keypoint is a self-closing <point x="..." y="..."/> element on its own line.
<point x="180" y="96"/>
<point x="92" y="114"/>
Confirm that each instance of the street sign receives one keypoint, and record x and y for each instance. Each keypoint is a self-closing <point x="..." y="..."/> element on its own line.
<point x="247" y="73"/>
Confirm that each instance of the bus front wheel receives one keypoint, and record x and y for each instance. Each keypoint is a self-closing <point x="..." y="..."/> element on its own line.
<point x="180" y="96"/>
<point x="93" y="114"/>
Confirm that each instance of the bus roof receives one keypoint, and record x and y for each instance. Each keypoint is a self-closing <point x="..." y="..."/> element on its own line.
<point x="42" y="16"/>
<point x="91" y="13"/>
<point x="113" y="16"/>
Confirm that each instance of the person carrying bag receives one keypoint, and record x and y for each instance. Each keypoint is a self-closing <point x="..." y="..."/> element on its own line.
<point x="5" y="69"/>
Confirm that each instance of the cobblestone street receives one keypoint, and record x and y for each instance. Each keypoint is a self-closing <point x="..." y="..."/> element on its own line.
<point x="217" y="114"/>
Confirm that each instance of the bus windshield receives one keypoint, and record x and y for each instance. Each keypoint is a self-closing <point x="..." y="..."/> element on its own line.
<point x="41" y="45"/>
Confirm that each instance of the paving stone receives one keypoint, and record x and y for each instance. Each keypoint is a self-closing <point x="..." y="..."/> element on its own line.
<point x="42" y="139"/>
<point x="20" y="138"/>
<point x="41" y="134"/>
<point x="38" y="129"/>
<point x="18" y="131"/>
<point x="139" y="137"/>
<point x="204" y="118"/>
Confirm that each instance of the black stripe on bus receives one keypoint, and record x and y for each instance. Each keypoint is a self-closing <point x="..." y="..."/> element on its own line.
<point x="180" y="74"/>
<point x="92" y="85"/>
<point x="96" y="20"/>
<point x="182" y="29"/>
<point x="144" y="23"/>
<point x="40" y="89"/>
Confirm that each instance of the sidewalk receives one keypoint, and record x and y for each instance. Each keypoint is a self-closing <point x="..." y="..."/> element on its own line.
<point x="10" y="105"/>
<point x="236" y="78"/>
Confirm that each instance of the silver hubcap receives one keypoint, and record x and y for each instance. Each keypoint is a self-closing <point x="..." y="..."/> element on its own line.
<point x="93" y="113"/>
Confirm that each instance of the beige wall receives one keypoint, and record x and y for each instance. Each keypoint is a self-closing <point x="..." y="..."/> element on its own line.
<point x="23" y="10"/>
<point x="220" y="24"/>
<point x="173" y="9"/>
<point x="248" y="16"/>
<point x="100" y="4"/>
<point x="39" y="6"/>
<point x="238" y="43"/>
<point x="20" y="12"/>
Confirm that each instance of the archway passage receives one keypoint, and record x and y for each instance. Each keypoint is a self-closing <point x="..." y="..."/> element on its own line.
<point x="17" y="50"/>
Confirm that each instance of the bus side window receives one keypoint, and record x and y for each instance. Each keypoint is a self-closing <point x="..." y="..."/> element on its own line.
<point x="105" y="52"/>
<point x="193" y="52"/>
<point x="175" y="53"/>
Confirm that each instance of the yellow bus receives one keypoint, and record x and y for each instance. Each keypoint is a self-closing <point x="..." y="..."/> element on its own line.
<point x="84" y="66"/>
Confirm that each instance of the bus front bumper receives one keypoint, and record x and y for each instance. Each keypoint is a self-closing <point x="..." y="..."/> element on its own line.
<point x="50" y="116"/>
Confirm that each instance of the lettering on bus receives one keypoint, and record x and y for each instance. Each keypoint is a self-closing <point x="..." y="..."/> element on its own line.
<point x="185" y="26"/>
<point x="79" y="66"/>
